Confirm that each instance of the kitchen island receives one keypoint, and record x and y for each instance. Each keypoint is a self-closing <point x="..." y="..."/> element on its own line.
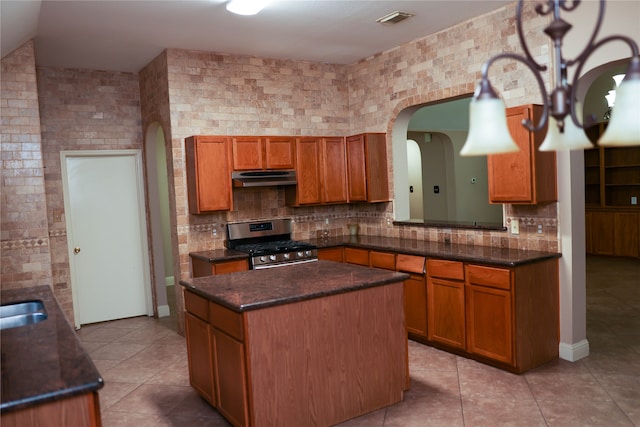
<point x="307" y="344"/>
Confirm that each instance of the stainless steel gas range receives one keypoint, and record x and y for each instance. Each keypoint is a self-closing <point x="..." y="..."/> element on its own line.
<point x="269" y="243"/>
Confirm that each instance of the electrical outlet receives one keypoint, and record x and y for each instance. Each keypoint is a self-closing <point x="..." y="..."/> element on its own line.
<point x="634" y="200"/>
<point x="539" y="229"/>
<point x="515" y="226"/>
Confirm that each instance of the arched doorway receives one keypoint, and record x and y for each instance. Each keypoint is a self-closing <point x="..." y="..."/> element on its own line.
<point x="159" y="216"/>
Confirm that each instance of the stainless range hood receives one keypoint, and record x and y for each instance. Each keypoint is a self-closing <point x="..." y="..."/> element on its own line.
<point x="263" y="178"/>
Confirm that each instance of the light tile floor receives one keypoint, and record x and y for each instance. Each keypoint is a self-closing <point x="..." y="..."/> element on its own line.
<point x="144" y="365"/>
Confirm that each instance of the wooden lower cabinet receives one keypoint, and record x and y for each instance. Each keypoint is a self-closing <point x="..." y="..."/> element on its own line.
<point x="331" y="254"/>
<point x="445" y="301"/>
<point x="200" y="353"/>
<point x="627" y="234"/>
<point x="200" y="267"/>
<point x="415" y="295"/>
<point x="231" y="378"/>
<point x="613" y="232"/>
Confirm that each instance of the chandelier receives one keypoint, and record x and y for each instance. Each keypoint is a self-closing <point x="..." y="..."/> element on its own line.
<point x="488" y="130"/>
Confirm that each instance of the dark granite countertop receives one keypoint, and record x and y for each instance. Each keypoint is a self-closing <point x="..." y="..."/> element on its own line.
<point x="256" y="289"/>
<point x="43" y="362"/>
<point x="451" y="251"/>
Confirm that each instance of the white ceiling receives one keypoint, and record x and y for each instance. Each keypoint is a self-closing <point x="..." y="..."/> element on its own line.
<point x="127" y="35"/>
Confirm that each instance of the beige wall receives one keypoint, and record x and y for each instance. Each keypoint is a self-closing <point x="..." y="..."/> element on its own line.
<point x="25" y="252"/>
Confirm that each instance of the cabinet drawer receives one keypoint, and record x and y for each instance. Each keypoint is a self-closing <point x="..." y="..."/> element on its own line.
<point x="445" y="269"/>
<point x="383" y="260"/>
<point x="410" y="263"/>
<point x="331" y="254"/>
<point x="489" y="276"/>
<point x="196" y="305"/>
<point x="356" y="256"/>
<point x="226" y="320"/>
<point x="227" y="267"/>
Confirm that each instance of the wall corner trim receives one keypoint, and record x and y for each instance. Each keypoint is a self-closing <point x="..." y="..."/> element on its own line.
<point x="574" y="352"/>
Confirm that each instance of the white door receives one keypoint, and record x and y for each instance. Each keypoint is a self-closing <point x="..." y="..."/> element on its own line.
<point x="106" y="232"/>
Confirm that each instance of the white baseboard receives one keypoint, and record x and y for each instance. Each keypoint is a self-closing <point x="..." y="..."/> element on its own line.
<point x="164" y="311"/>
<point x="168" y="281"/>
<point x="574" y="352"/>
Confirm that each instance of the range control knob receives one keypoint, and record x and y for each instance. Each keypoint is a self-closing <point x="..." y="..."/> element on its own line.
<point x="307" y="253"/>
<point x="272" y="257"/>
<point x="300" y="254"/>
<point x="263" y="259"/>
<point x="286" y="256"/>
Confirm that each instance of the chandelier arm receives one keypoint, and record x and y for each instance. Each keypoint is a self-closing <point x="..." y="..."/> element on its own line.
<point x="532" y="66"/>
<point x="590" y="45"/>
<point x="532" y="62"/>
<point x="635" y="56"/>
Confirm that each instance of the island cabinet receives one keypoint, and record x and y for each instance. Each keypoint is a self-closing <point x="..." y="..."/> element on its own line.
<point x="208" y="164"/>
<point x="77" y="411"/>
<point x="368" y="178"/>
<point x="527" y="176"/>
<point x="415" y="295"/>
<point x="445" y="302"/>
<point x="320" y="171"/>
<point x="324" y="344"/>
<point x="263" y="152"/>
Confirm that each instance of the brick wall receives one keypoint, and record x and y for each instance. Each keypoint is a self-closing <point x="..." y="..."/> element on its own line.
<point x="81" y="110"/>
<point x="25" y="259"/>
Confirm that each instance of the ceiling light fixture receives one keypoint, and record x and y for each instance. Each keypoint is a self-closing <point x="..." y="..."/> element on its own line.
<point x="246" y="7"/>
<point x="394" y="17"/>
<point x="486" y="106"/>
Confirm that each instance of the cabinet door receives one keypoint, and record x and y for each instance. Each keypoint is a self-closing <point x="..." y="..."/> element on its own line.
<point x="627" y="234"/>
<point x="230" y="378"/>
<point x="527" y="176"/>
<point x="280" y="152"/>
<point x="308" y="171"/>
<point x="208" y="174"/>
<point x="445" y="302"/>
<point x="247" y="153"/>
<point x="356" y="172"/>
<point x="488" y="318"/>
<point x="415" y="305"/>
<point x="603" y="233"/>
<point x="199" y="352"/>
<point x="334" y="170"/>
<point x="376" y="167"/>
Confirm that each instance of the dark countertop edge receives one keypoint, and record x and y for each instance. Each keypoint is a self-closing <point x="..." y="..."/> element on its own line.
<point x="453" y="224"/>
<point x="53" y="396"/>
<point x="51" y="303"/>
<point x="289" y="300"/>
<point x="537" y="256"/>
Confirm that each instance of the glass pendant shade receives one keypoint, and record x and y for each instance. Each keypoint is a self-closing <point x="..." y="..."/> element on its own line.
<point x="246" y="7"/>
<point x="488" y="130"/>
<point x="573" y="137"/>
<point x="624" y="126"/>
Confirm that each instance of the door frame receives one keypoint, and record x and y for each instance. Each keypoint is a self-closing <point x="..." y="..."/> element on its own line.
<point x="137" y="156"/>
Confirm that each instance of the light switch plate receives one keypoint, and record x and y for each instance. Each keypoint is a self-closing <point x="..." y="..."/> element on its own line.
<point x="515" y="226"/>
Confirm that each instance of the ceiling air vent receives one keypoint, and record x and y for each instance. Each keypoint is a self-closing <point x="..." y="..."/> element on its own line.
<point x="394" y="17"/>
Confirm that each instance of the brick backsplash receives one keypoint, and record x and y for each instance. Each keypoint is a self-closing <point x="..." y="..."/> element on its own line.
<point x="190" y="93"/>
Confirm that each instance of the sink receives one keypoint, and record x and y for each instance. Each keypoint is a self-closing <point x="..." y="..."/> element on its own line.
<point x="21" y="314"/>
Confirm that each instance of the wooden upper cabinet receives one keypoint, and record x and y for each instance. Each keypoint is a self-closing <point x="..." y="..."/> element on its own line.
<point x="247" y="153"/>
<point x="279" y="152"/>
<point x="334" y="166"/>
<point x="529" y="175"/>
<point x="368" y="179"/>
<point x="308" y="190"/>
<point x="320" y="171"/>
<point x="208" y="174"/>
<point x="269" y="152"/>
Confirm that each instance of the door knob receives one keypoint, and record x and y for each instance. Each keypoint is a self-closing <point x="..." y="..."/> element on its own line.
<point x="76" y="250"/>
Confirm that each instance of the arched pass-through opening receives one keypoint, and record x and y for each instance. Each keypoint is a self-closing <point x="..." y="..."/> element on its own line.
<point x="159" y="216"/>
